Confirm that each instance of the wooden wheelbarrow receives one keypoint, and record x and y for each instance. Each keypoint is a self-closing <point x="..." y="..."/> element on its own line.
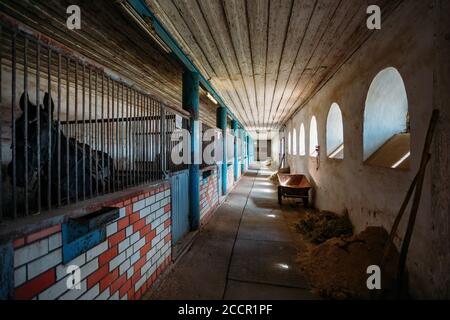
<point x="293" y="186"/>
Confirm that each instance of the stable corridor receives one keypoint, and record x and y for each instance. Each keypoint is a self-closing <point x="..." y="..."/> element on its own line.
<point x="246" y="251"/>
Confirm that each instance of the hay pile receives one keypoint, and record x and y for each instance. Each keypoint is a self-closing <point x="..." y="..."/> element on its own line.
<point x="337" y="269"/>
<point x="317" y="227"/>
<point x="274" y="179"/>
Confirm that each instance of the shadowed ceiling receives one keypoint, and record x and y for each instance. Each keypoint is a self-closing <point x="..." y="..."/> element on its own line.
<point x="266" y="58"/>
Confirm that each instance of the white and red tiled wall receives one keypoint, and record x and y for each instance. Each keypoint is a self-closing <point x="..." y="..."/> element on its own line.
<point x="209" y="195"/>
<point x="136" y="251"/>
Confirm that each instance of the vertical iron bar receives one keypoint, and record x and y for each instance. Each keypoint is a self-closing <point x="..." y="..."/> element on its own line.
<point x="59" y="129"/>
<point x="135" y="151"/>
<point x="108" y="127"/>
<point x="117" y="160"/>
<point x="132" y="149"/>
<point x="154" y="151"/>
<point x="90" y="125"/>
<point x="139" y="110"/>
<point x="38" y="122"/>
<point x="129" y="106"/>
<point x="25" y="112"/>
<point x="112" y="136"/>
<point x="1" y="116"/>
<point x="49" y="124"/>
<point x="146" y="145"/>
<point x="83" y="128"/>
<point x="102" y="134"/>
<point x="122" y="180"/>
<point x="68" y="136"/>
<point x="76" y="132"/>
<point x="163" y="139"/>
<point x="96" y="133"/>
<point x="13" y="125"/>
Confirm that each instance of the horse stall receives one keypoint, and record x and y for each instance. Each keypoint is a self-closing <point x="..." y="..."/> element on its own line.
<point x="84" y="181"/>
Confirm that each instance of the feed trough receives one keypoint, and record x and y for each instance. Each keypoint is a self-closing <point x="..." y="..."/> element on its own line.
<point x="293" y="186"/>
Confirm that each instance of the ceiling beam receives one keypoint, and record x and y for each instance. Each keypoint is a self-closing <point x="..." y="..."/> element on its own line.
<point x="143" y="10"/>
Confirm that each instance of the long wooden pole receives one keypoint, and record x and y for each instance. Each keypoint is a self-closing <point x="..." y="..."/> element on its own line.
<point x="417" y="196"/>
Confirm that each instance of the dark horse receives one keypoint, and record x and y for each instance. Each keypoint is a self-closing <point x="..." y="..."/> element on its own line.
<point x="75" y="178"/>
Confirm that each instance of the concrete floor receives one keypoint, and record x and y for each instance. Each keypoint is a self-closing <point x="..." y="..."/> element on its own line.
<point x="246" y="251"/>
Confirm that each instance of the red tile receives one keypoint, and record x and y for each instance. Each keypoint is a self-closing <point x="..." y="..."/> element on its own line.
<point x="167" y="208"/>
<point x="145" y="230"/>
<point x="136" y="276"/>
<point x="123" y="223"/>
<point x="131" y="294"/>
<point x="107" y="256"/>
<point x="149" y="237"/>
<point x="125" y="288"/>
<point x="129" y="210"/>
<point x="146" y="248"/>
<point x="98" y="275"/>
<point x="138" y="265"/>
<point x="134" y="217"/>
<point x="36" y="285"/>
<point x="167" y="223"/>
<point x="43" y="233"/>
<point x="110" y="277"/>
<point x="116" y="238"/>
<point x="19" y="242"/>
<point x="138" y="225"/>
<point x="117" y="284"/>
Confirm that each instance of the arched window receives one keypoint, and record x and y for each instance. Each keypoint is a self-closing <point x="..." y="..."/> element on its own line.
<point x="335" y="133"/>
<point x="294" y="142"/>
<point x="386" y="122"/>
<point x="289" y="143"/>
<point x="302" y="140"/>
<point x="313" y="139"/>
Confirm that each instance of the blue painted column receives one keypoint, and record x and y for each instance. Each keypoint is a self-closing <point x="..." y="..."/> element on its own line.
<point x="191" y="86"/>
<point x="221" y="119"/>
<point x="244" y="152"/>
<point x="234" y="127"/>
<point x="248" y="150"/>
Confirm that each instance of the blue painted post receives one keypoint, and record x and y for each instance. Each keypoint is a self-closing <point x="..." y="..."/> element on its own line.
<point x="248" y="150"/>
<point x="234" y="126"/>
<point x="191" y="85"/>
<point x="222" y="125"/>
<point x="244" y="152"/>
<point x="251" y="151"/>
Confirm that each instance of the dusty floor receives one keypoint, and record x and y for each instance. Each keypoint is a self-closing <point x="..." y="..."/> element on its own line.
<point x="247" y="250"/>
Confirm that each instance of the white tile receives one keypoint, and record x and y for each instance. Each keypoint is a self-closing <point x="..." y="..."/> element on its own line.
<point x="31" y="252"/>
<point x="61" y="270"/>
<point x="91" y="293"/>
<point x="44" y="263"/>
<point x="114" y="263"/>
<point x="73" y="294"/>
<point x="20" y="276"/>
<point x="138" y="205"/>
<point x="97" y="250"/>
<point x="104" y="295"/>
<point x="55" y="241"/>
<point x="111" y="229"/>
<point x="124" y="266"/>
<point x="123" y="245"/>
<point x="129" y="231"/>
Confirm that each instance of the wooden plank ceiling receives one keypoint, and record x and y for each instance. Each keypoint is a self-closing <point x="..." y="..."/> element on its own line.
<point x="266" y="58"/>
<point x="111" y="39"/>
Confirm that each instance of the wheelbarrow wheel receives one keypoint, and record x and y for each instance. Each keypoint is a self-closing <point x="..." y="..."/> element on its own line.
<point x="305" y="202"/>
<point x="279" y="196"/>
